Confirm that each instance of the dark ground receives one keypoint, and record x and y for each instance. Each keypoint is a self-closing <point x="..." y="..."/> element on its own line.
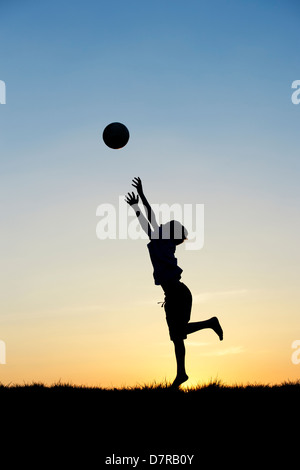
<point x="60" y="426"/>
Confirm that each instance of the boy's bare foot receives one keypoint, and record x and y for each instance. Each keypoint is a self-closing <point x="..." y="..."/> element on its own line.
<point x="179" y="380"/>
<point x="217" y="327"/>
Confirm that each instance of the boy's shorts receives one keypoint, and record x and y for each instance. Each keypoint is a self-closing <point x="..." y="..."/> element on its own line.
<point x="178" y="305"/>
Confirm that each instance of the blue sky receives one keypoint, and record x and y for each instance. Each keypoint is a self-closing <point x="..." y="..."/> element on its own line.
<point x="205" y="90"/>
<point x="185" y="77"/>
<point x="210" y="77"/>
<point x="160" y="62"/>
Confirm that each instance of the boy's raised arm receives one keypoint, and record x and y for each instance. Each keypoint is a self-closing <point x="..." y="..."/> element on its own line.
<point x="137" y="183"/>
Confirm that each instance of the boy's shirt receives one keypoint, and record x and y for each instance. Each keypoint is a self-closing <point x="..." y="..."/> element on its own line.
<point x="164" y="261"/>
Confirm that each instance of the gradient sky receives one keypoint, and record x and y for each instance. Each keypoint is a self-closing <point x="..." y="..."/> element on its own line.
<point x="205" y="90"/>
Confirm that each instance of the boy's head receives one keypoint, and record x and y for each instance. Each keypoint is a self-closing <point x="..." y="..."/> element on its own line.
<point x="174" y="231"/>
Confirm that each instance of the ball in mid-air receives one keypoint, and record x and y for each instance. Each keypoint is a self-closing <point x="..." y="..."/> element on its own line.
<point x="116" y="135"/>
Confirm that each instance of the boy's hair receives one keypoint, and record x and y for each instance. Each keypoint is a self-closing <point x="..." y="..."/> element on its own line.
<point x="173" y="230"/>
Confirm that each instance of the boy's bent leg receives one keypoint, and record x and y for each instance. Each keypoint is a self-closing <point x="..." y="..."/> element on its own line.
<point x="212" y="323"/>
<point x="180" y="360"/>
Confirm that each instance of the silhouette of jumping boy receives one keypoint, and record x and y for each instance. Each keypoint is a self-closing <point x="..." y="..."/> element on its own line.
<point x="167" y="274"/>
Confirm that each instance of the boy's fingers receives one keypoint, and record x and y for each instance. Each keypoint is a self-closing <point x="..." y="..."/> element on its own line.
<point x="136" y="180"/>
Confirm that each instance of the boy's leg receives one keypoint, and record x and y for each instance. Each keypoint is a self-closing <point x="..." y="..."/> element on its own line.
<point x="180" y="360"/>
<point x="212" y="323"/>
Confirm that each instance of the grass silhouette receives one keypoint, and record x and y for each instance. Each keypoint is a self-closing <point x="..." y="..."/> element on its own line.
<point x="212" y="386"/>
<point x="217" y="423"/>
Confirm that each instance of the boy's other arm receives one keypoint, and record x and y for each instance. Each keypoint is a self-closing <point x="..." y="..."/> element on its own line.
<point x="137" y="183"/>
<point x="133" y="200"/>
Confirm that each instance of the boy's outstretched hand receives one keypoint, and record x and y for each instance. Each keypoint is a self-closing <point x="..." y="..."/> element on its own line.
<point x="131" y="199"/>
<point x="137" y="183"/>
